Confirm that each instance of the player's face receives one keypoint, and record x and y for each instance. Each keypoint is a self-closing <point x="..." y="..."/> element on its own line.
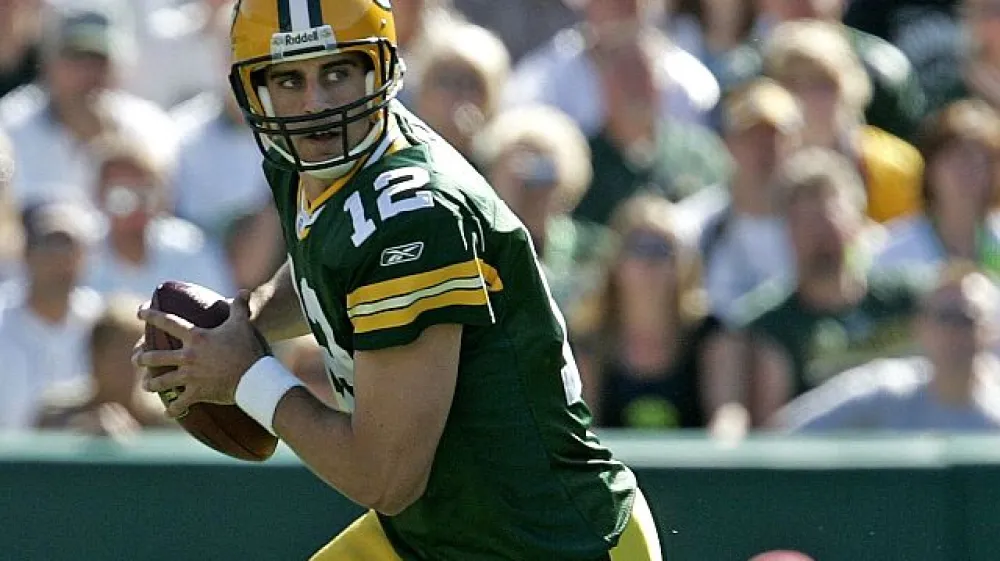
<point x="308" y="87"/>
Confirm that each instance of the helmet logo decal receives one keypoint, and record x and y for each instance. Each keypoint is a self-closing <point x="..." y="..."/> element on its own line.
<point x="385" y="4"/>
<point x="300" y="42"/>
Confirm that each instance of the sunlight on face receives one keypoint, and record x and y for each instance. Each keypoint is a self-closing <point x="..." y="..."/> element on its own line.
<point x="309" y="87"/>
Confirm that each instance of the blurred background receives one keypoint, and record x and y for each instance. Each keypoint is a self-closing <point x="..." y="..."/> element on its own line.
<point x="771" y="225"/>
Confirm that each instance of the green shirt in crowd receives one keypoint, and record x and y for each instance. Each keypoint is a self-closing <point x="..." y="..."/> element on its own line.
<point x="822" y="343"/>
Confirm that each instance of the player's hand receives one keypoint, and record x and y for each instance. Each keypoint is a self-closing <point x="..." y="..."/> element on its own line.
<point x="209" y="363"/>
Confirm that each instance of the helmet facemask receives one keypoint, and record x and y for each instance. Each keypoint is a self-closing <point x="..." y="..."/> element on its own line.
<point x="274" y="134"/>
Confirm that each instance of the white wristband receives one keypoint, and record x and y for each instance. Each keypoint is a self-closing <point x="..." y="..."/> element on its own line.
<point x="262" y="387"/>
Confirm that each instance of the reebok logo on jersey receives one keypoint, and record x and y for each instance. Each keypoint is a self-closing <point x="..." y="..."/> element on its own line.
<point x="402" y="253"/>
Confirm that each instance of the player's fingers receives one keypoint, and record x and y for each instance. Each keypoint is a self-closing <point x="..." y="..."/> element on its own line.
<point x="179" y="406"/>
<point x="170" y="323"/>
<point x="174" y="379"/>
<point x="154" y="359"/>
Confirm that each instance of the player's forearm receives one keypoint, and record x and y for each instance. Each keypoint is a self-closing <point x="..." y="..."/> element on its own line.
<point x="326" y="441"/>
<point x="275" y="310"/>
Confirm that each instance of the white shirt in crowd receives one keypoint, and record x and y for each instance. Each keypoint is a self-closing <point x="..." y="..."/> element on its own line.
<point x="891" y="394"/>
<point x="741" y="251"/>
<point x="52" y="165"/>
<point x="218" y="174"/>
<point x="180" y="54"/>
<point x="561" y="74"/>
<point x="177" y="250"/>
<point x="36" y="354"/>
<point x="913" y="241"/>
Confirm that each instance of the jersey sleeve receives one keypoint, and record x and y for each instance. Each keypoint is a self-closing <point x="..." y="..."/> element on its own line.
<point x="421" y="268"/>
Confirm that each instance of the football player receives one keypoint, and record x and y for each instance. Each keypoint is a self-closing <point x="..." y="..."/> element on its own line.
<point x="459" y="421"/>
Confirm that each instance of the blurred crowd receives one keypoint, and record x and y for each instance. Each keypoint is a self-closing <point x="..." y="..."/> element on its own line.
<point x="755" y="214"/>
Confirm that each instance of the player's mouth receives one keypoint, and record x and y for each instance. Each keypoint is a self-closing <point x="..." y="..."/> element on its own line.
<point x="323" y="136"/>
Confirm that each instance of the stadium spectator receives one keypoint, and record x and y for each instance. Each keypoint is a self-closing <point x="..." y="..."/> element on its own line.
<point x="463" y="74"/>
<point x="110" y="401"/>
<point x="791" y="337"/>
<point x="417" y="22"/>
<point x="961" y="146"/>
<point x="564" y="74"/>
<point x="712" y="29"/>
<point x="979" y="66"/>
<point x="20" y="38"/>
<point x="539" y="163"/>
<point x="144" y="244"/>
<point x="928" y="32"/>
<point x="639" y="353"/>
<point x="11" y="231"/>
<point x="51" y="122"/>
<point x="955" y="386"/>
<point x="217" y="183"/>
<point x="636" y="148"/>
<point x="181" y="55"/>
<point x="523" y="25"/>
<point x="742" y="238"/>
<point x="897" y="101"/>
<point x="814" y="60"/>
<point x="44" y="324"/>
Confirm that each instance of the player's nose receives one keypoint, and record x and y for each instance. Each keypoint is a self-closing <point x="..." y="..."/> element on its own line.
<point x="315" y="98"/>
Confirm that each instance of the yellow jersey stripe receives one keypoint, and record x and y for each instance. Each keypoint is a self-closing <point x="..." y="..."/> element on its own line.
<point x="471" y="283"/>
<point x="402" y="286"/>
<point x="405" y="316"/>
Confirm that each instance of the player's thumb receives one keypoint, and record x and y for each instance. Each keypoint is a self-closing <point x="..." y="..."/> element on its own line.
<point x="240" y="307"/>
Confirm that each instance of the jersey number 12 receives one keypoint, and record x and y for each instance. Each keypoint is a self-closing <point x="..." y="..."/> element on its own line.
<point x="399" y="192"/>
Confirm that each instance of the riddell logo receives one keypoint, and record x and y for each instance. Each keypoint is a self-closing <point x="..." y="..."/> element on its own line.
<point x="284" y="44"/>
<point x="302" y="38"/>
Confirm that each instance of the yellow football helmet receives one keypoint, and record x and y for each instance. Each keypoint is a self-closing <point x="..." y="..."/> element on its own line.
<point x="266" y="32"/>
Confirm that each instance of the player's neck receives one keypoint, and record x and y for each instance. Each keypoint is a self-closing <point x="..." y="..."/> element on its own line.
<point x="313" y="187"/>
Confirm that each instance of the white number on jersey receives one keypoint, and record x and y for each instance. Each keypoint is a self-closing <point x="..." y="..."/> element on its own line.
<point x="339" y="364"/>
<point x="392" y="184"/>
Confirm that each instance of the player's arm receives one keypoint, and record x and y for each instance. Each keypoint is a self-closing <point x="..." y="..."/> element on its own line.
<point x="275" y="309"/>
<point x="381" y="455"/>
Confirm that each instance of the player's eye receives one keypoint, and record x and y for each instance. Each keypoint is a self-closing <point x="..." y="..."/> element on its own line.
<point x="288" y="83"/>
<point x="336" y="75"/>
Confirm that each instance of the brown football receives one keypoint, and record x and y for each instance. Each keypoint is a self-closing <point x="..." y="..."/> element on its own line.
<point x="225" y="428"/>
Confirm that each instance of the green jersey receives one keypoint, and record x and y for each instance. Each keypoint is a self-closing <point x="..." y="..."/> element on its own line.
<point x="417" y="238"/>
<point x="822" y="343"/>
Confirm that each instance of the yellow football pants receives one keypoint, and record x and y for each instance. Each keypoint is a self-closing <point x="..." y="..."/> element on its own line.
<point x="364" y="540"/>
